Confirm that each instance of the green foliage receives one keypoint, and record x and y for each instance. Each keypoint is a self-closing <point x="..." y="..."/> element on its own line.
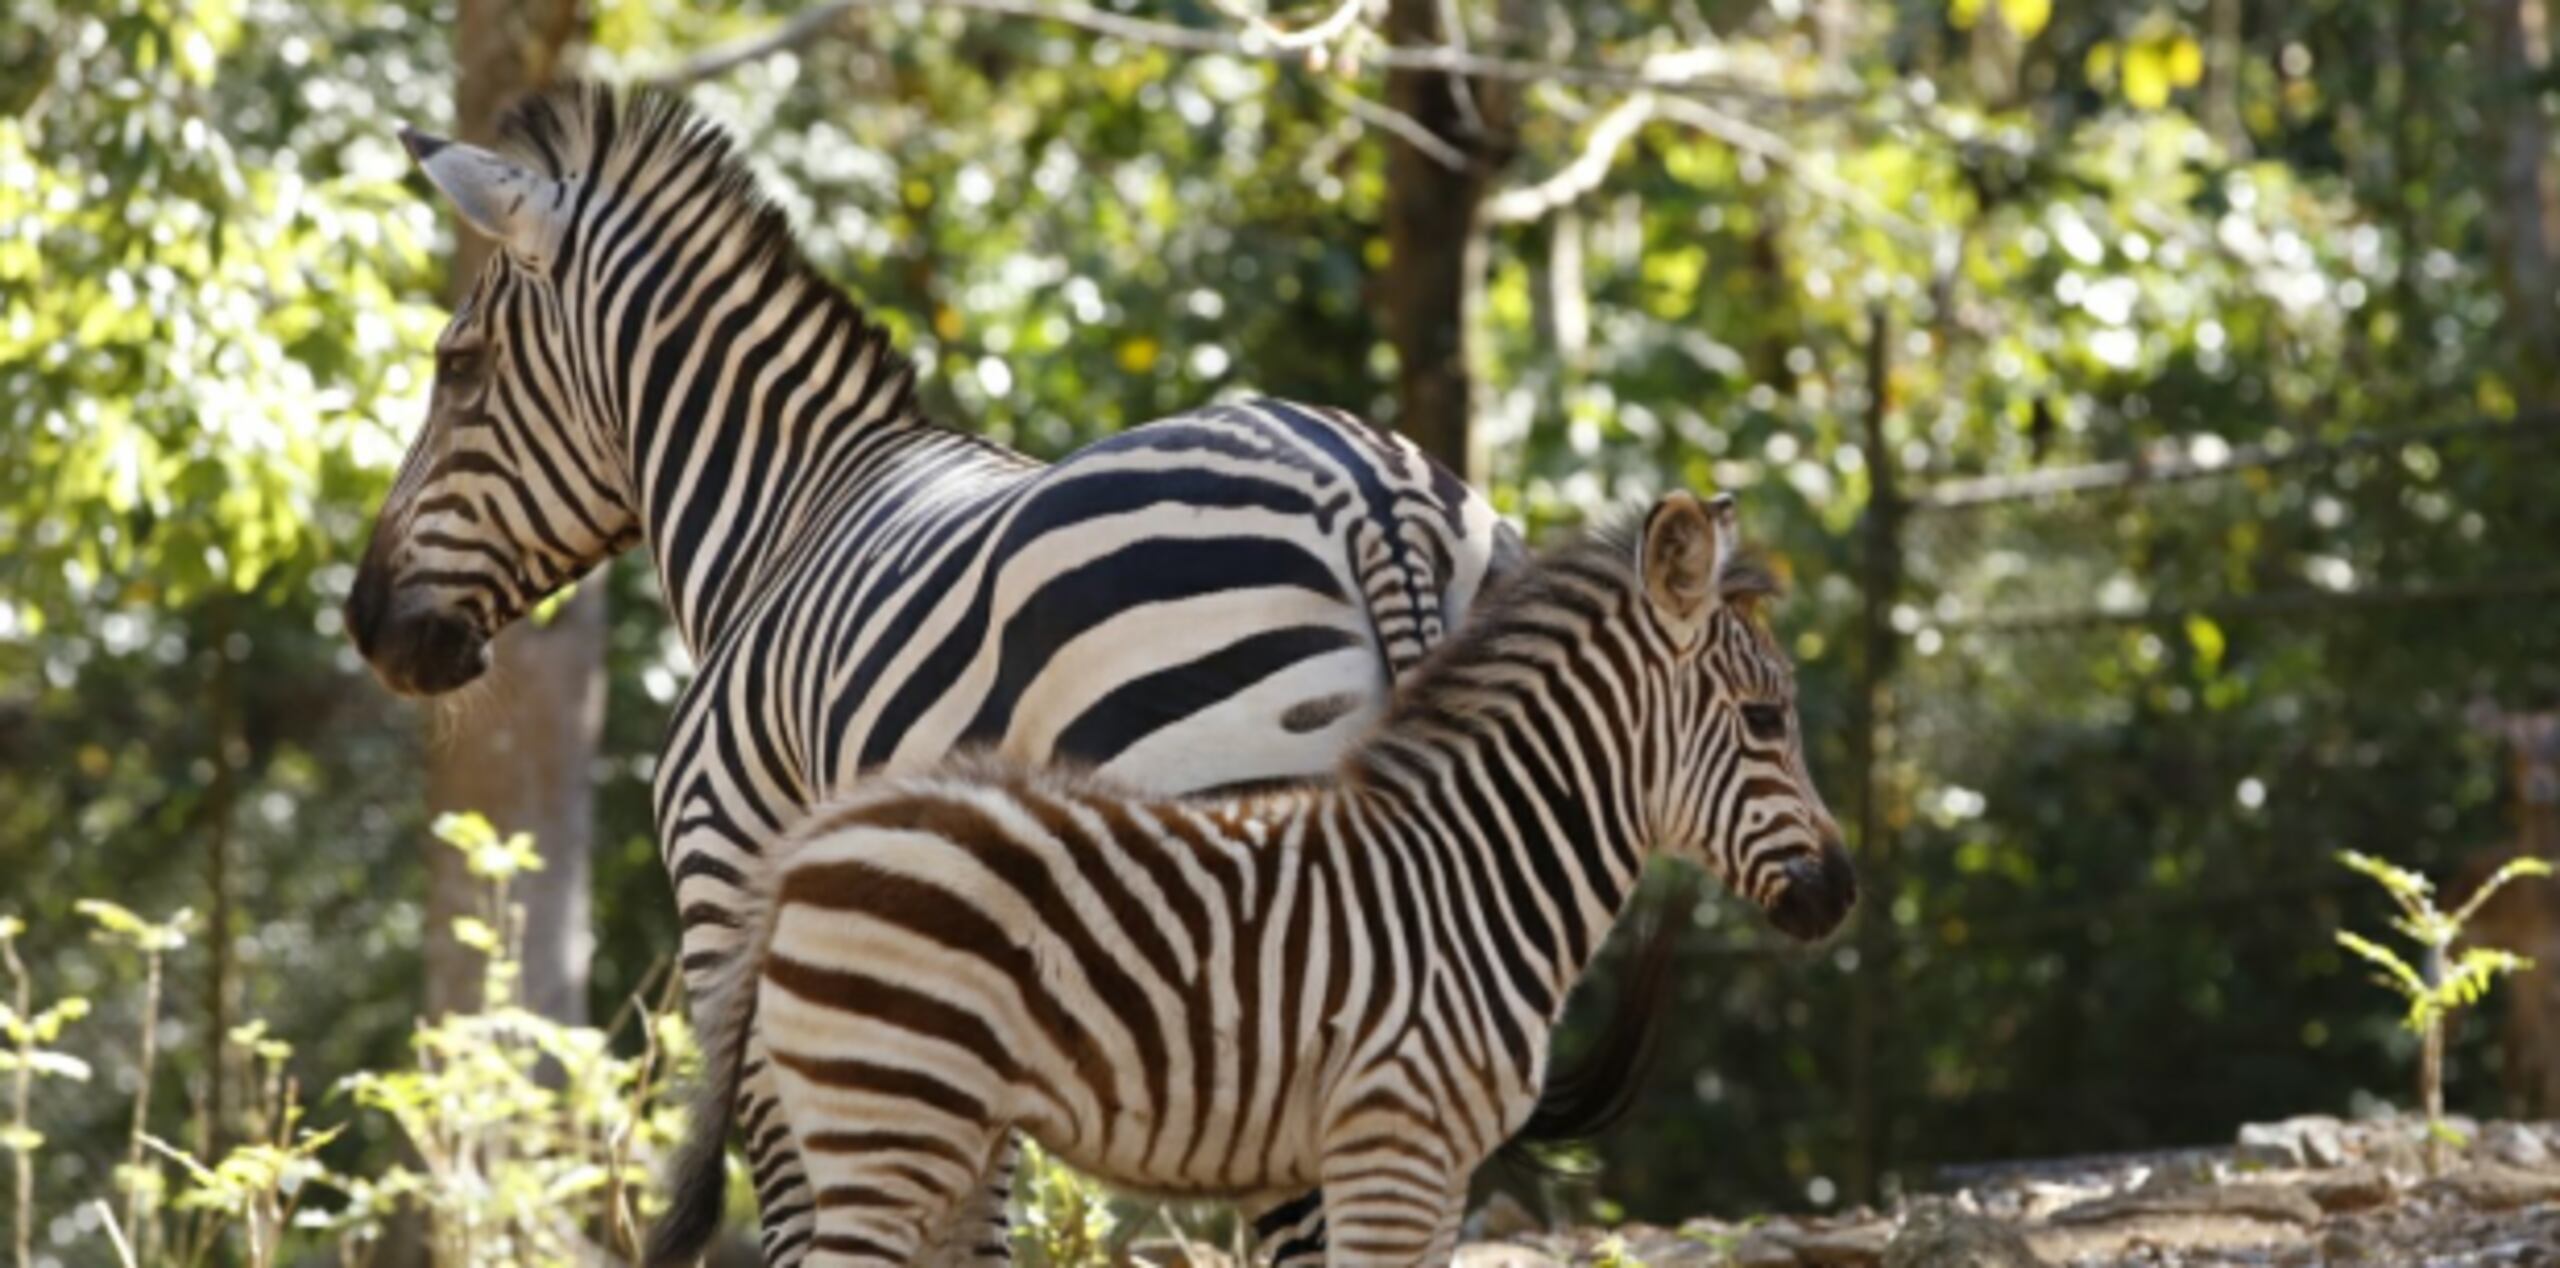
<point x="214" y="303"/>
<point x="195" y="344"/>
<point x="1065" y="1220"/>
<point x="533" y="1139"/>
<point x="2447" y="985"/>
<point x="2444" y="985"/>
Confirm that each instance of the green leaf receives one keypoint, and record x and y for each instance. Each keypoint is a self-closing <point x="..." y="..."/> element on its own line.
<point x="118" y="923"/>
<point x="2402" y="977"/>
<point x="466" y="830"/>
<point x="2026" y="17"/>
<point x="2513" y="869"/>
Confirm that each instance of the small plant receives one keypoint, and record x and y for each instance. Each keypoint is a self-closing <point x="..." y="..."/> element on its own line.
<point x="535" y="1140"/>
<point x="27" y="1056"/>
<point x="1065" y="1219"/>
<point x="2447" y="982"/>
<point x="155" y="942"/>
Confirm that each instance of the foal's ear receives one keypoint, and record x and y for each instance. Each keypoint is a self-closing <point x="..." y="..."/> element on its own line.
<point x="516" y="206"/>
<point x="1683" y="546"/>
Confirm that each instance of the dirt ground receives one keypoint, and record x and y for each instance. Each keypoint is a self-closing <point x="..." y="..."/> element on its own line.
<point x="2305" y="1191"/>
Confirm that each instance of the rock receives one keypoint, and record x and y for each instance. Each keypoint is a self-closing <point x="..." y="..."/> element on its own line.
<point x="2490" y="1186"/>
<point x="2351" y="1189"/>
<point x="1503" y="1255"/>
<point x="1939" y="1236"/>
<point x="1502" y="1216"/>
<point x="2306" y="1140"/>
<point x="1166" y="1253"/>
<point x="2397" y="1153"/>
<point x="2514" y="1144"/>
<point x="2169" y="1226"/>
<point x="2267" y="1203"/>
<point x="1759" y="1249"/>
<point x="1858" y="1247"/>
<point x="1696" y="1244"/>
<point x="2342" y="1245"/>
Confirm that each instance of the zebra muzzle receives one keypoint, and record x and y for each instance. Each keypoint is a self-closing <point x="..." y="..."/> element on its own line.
<point x="1819" y="890"/>
<point x="419" y="651"/>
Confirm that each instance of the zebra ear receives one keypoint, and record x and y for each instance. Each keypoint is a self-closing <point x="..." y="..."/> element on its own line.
<point x="503" y="199"/>
<point x="1682" y="548"/>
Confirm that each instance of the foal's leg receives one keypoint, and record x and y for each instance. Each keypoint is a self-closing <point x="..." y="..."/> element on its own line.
<point x="981" y="1229"/>
<point x="1392" y="1178"/>
<point x="1389" y="1212"/>
<point x="1288" y="1232"/>
<point x="888" y="1195"/>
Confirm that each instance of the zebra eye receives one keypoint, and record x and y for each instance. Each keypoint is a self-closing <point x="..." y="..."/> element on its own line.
<point x="458" y="366"/>
<point x="1766" y="722"/>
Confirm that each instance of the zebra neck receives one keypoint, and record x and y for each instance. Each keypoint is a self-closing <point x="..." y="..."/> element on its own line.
<point x="1525" y="823"/>
<point x="747" y="435"/>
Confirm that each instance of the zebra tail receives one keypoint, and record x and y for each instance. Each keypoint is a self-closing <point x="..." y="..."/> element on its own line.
<point x="698" y="1176"/>
<point x="1587" y="1098"/>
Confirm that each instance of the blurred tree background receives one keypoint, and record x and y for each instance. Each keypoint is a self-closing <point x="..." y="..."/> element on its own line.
<point x="2151" y="403"/>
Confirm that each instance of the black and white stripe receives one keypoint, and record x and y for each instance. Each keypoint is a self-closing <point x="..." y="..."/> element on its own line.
<point x="1349" y="985"/>
<point x="1218" y="599"/>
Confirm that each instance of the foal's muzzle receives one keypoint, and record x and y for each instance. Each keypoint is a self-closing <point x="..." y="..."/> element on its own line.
<point x="1819" y="889"/>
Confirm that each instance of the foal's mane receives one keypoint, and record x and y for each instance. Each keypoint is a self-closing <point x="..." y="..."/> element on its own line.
<point x="1577" y="575"/>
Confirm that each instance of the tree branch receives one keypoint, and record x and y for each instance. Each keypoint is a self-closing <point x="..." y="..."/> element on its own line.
<point x="1571" y="182"/>
<point x="1694" y="79"/>
<point x="1751" y="138"/>
<point x="803" y="27"/>
<point x="1259" y="29"/>
<point x="1403" y="125"/>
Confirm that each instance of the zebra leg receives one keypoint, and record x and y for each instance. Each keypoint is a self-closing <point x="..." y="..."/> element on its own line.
<point x="981" y="1230"/>
<point x="783" y="1204"/>
<point x="1387" y="1207"/>
<point x="785" y="1209"/>
<point x="1289" y="1232"/>
<point x="887" y="1195"/>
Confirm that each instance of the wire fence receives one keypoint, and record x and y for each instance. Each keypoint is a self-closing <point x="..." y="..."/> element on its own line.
<point x="2139" y="704"/>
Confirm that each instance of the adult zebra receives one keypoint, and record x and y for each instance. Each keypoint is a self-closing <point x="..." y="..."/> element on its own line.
<point x="1349" y="983"/>
<point x="1216" y="599"/>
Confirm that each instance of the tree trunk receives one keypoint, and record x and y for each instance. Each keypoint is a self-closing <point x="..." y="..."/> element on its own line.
<point x="2524" y="206"/>
<point x="1437" y="245"/>
<point x="2226" y="52"/>
<point x="520" y="748"/>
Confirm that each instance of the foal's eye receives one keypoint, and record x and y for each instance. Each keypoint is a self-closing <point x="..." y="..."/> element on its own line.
<point x="1766" y="722"/>
<point x="458" y="365"/>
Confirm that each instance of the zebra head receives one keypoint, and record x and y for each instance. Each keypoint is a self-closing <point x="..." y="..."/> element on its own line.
<point x="1732" y="790"/>
<point x="516" y="484"/>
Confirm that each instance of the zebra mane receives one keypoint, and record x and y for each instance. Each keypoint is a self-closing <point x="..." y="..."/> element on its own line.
<point x="652" y="145"/>
<point x="1579" y="575"/>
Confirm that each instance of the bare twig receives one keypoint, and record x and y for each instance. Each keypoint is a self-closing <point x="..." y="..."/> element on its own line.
<point x="115" y="1232"/>
<point x="1588" y="170"/>
<point x="799" y="29"/>
<point x="1258" y="29"/>
<point x="821" y="20"/>
<point x="1751" y="138"/>
<point x="1569" y="183"/>
<point x="1403" y="125"/>
<point x="21" y="1075"/>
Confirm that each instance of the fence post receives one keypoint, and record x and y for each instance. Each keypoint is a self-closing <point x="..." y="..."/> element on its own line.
<point x="1880" y="586"/>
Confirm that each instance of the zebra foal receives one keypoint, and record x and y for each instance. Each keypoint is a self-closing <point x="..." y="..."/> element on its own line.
<point x="1349" y="985"/>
